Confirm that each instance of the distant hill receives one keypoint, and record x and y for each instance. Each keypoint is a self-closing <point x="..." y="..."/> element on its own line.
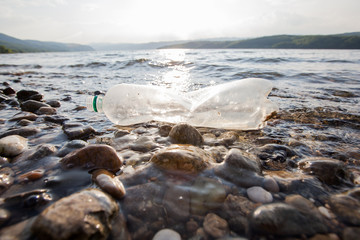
<point x="10" y="44"/>
<point x="339" y="41"/>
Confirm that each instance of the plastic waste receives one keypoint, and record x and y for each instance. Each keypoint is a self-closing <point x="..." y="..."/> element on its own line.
<point x="241" y="104"/>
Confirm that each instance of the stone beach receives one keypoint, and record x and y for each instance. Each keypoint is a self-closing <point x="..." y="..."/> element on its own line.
<point x="164" y="181"/>
<point x="66" y="173"/>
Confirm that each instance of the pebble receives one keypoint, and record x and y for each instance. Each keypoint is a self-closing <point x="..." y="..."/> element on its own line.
<point x="32" y="175"/>
<point x="228" y="138"/>
<point x="109" y="183"/>
<point x="351" y="233"/>
<point x="215" y="226"/>
<point x="95" y="156"/>
<point x="71" y="146"/>
<point x="346" y="208"/>
<point x="26" y="115"/>
<point x="4" y="216"/>
<point x="54" y="103"/>
<point x="176" y="201"/>
<point x="46" y="111"/>
<point x="9" y="91"/>
<point x="144" y="144"/>
<point x="167" y="234"/>
<point x="164" y="130"/>
<point x="206" y="194"/>
<point x="83" y="215"/>
<point x="24" y="132"/>
<point x="24" y="95"/>
<point x="259" y="195"/>
<point x="78" y="131"/>
<point x="185" y="158"/>
<point x="282" y="219"/>
<point x="186" y="134"/>
<point x="329" y="171"/>
<point x="6" y="178"/>
<point x="32" y="105"/>
<point x="270" y="184"/>
<point x="55" y="119"/>
<point x="241" y="160"/>
<point x="13" y="145"/>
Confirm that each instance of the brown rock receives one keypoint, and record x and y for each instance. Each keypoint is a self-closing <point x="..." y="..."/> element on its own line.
<point x="215" y="226"/>
<point x="32" y="105"/>
<point x="92" y="157"/>
<point x="186" y="134"/>
<point x="185" y="158"/>
<point x="177" y="203"/>
<point x="46" y="111"/>
<point x="77" y="131"/>
<point x="83" y="215"/>
<point x="329" y="171"/>
<point x="109" y="183"/>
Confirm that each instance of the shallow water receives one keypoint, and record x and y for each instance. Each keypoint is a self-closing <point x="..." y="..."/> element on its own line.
<point x="317" y="91"/>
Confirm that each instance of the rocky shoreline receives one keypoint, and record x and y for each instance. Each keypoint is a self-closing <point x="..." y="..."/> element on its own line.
<point x="62" y="179"/>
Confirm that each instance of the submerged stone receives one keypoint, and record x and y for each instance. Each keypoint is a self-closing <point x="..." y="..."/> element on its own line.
<point x="109" y="183"/>
<point x="32" y="105"/>
<point x="83" y="215"/>
<point x="281" y="219"/>
<point x="329" y="171"/>
<point x="346" y="208"/>
<point x="96" y="156"/>
<point x="215" y="226"/>
<point x="78" y="131"/>
<point x="185" y="158"/>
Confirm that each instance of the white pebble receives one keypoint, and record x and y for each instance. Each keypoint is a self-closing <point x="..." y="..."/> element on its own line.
<point x="166" y="234"/>
<point x="324" y="211"/>
<point x="259" y="195"/>
<point x="12" y="145"/>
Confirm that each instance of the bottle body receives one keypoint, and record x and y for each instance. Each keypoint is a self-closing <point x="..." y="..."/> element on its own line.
<point x="239" y="104"/>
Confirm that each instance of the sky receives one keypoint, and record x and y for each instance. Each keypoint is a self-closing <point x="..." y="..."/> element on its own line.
<point x="140" y="21"/>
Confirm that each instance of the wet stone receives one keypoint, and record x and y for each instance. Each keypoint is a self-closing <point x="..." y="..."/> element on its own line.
<point x="12" y="145"/>
<point x="144" y="144"/>
<point x="346" y="208"/>
<point x="185" y="158"/>
<point x="56" y="119"/>
<point x="329" y="171"/>
<point x="121" y="133"/>
<point x="228" y="138"/>
<point x="164" y="130"/>
<point x="83" y="215"/>
<point x="42" y="151"/>
<point x="32" y="105"/>
<point x="241" y="160"/>
<point x="166" y="234"/>
<point x="186" y="134"/>
<point x="351" y="233"/>
<point x="9" y="91"/>
<point x="6" y="179"/>
<point x="24" y="132"/>
<point x="259" y="195"/>
<point x="71" y="146"/>
<point x="281" y="219"/>
<point x="109" y="183"/>
<point x="46" y="111"/>
<point x="27" y="116"/>
<point x="24" y="122"/>
<point x="96" y="156"/>
<point x="177" y="203"/>
<point x="24" y="95"/>
<point x="270" y="184"/>
<point x="143" y="202"/>
<point x="32" y="175"/>
<point x="206" y="194"/>
<point x="54" y="103"/>
<point x="78" y="131"/>
<point x="215" y="226"/>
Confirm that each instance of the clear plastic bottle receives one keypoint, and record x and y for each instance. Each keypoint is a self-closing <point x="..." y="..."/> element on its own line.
<point x="239" y="104"/>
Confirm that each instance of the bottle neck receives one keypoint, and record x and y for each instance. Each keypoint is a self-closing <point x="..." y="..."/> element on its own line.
<point x="94" y="103"/>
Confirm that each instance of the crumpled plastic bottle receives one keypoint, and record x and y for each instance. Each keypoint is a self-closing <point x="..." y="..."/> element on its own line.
<point x="241" y="104"/>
